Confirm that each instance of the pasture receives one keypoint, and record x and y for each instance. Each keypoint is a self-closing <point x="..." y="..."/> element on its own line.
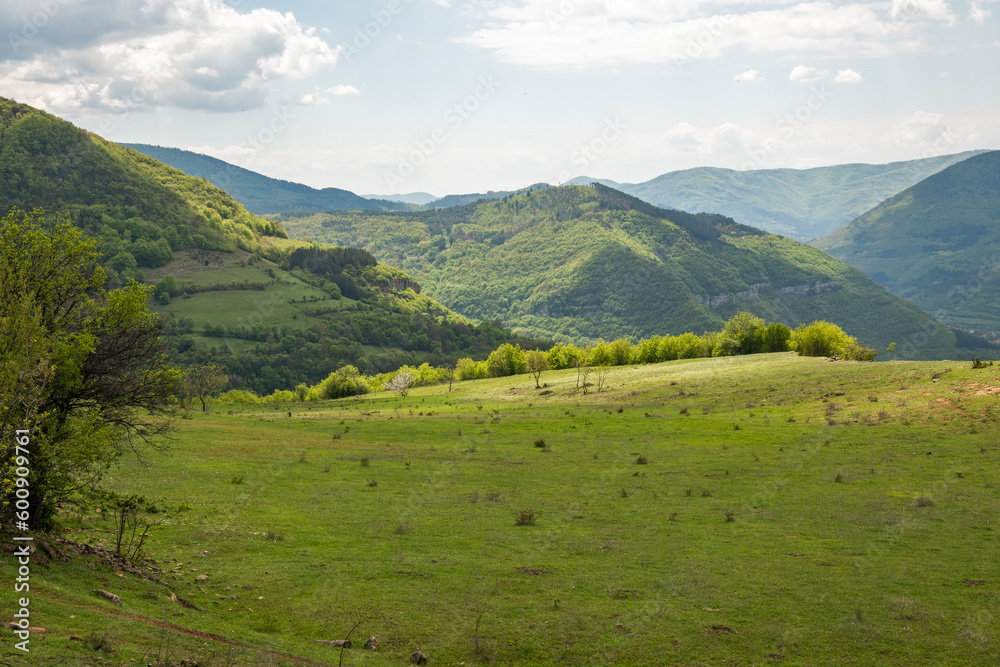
<point x="761" y="510"/>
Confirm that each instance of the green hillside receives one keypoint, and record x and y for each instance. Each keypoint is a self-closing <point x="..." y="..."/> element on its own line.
<point x="586" y="262"/>
<point x="936" y="244"/>
<point x="800" y="203"/>
<point x="139" y="210"/>
<point x="274" y="312"/>
<point x="273" y="323"/>
<point x="259" y="193"/>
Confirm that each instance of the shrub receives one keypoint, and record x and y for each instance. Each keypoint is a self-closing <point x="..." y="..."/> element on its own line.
<point x="526" y="517"/>
<point x="824" y="339"/>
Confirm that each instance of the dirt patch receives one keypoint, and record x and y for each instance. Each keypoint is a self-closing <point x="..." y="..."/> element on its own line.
<point x="980" y="389"/>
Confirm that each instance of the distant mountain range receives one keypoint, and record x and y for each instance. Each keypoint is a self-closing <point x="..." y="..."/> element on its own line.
<point x="586" y="262"/>
<point x="936" y="243"/>
<point x="802" y="204"/>
<point x="416" y="198"/>
<point x="913" y="252"/>
<point x="258" y="193"/>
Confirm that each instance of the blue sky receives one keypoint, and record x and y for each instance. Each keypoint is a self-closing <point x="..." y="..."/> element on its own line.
<point x="449" y="96"/>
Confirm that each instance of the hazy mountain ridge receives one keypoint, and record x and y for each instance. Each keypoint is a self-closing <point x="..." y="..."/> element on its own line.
<point x="262" y="194"/>
<point x="801" y="203"/>
<point x="936" y="243"/>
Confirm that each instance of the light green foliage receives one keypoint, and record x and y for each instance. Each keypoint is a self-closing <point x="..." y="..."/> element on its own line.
<point x="507" y="360"/>
<point x="239" y="397"/>
<point x="743" y="334"/>
<point x="346" y="381"/>
<point x="468" y="369"/>
<point x="824" y="339"/>
<point x="537" y="364"/>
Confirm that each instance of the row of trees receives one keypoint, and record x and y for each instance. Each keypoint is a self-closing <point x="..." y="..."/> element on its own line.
<point x="744" y="333"/>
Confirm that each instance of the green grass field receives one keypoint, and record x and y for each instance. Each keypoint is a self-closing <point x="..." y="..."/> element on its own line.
<point x="788" y="511"/>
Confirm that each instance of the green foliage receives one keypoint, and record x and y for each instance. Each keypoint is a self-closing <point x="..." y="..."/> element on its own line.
<point x="775" y="338"/>
<point x="137" y="209"/>
<point x="167" y="287"/>
<point x="743" y="334"/>
<point x="824" y="339"/>
<point x="95" y="366"/>
<point x="346" y="381"/>
<point x="507" y="360"/>
<point x="537" y="363"/>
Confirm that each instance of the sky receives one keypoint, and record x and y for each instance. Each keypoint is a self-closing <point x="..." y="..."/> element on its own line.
<point x="459" y="96"/>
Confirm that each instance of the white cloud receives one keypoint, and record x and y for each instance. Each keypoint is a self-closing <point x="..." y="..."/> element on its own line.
<point x="803" y="74"/>
<point x="977" y="13"/>
<point x="921" y="129"/>
<point x="747" y="76"/>
<point x="722" y="140"/>
<point x="319" y="96"/>
<point x="227" y="153"/>
<point x="147" y="54"/>
<point x="582" y="34"/>
<point x="918" y="10"/>
<point x="848" y="76"/>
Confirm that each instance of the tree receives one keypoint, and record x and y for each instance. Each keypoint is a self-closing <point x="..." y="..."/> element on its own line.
<point x="775" y="338"/>
<point x="820" y="339"/>
<point x="401" y="383"/>
<point x="165" y="288"/>
<point x="537" y="362"/>
<point x="94" y="383"/>
<point x="742" y="334"/>
<point x="203" y="380"/>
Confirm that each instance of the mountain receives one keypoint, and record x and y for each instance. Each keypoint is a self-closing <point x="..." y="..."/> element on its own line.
<point x="232" y="287"/>
<point x="802" y="204"/>
<point x="139" y="210"/>
<point x="258" y="193"/>
<point x="460" y="200"/>
<point x="586" y="262"/>
<point x="936" y="243"/>
<point x="415" y="198"/>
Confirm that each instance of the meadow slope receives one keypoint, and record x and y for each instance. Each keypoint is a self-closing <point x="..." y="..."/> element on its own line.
<point x="756" y="510"/>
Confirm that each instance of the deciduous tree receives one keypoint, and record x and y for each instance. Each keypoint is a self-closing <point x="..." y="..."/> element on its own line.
<point x="86" y="374"/>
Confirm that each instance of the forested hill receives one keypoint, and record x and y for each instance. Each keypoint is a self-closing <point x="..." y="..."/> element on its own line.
<point x="586" y="262"/>
<point x="262" y="194"/>
<point x="139" y="210"/>
<point x="231" y="285"/>
<point x="936" y="243"/>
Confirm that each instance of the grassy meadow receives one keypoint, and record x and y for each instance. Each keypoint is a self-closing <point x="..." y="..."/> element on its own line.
<point x="756" y="510"/>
